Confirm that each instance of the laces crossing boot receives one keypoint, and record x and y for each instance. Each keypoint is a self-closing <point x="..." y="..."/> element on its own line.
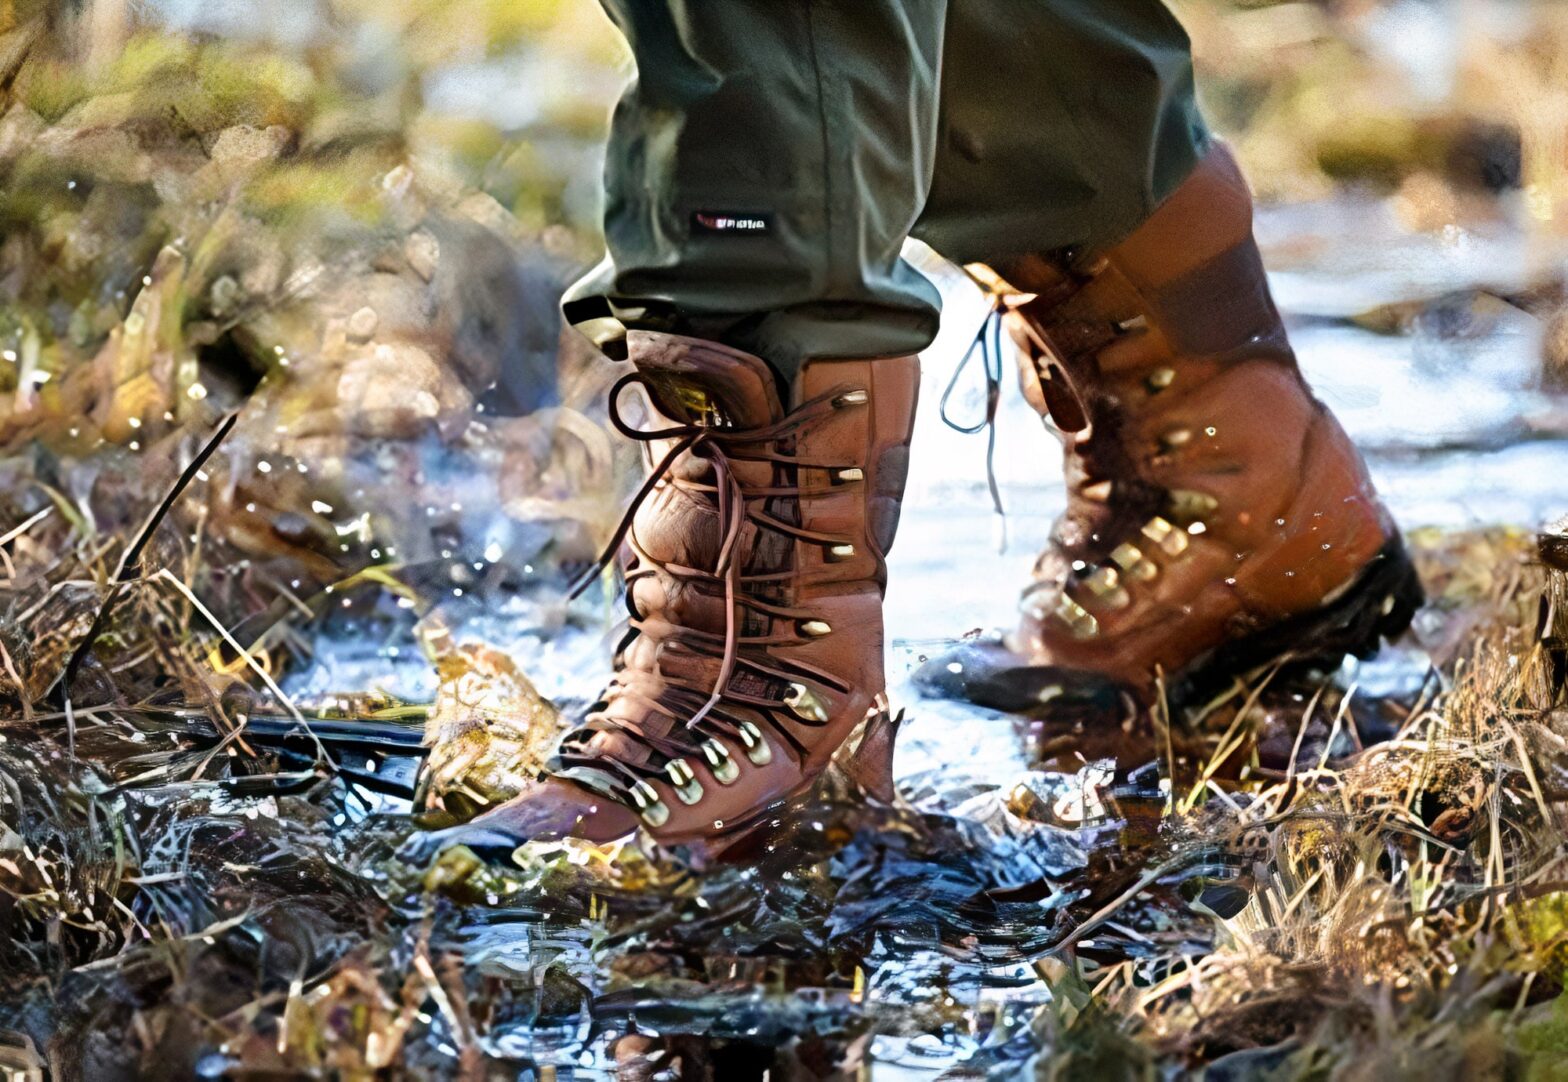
<point x="1218" y="517"/>
<point x="755" y="577"/>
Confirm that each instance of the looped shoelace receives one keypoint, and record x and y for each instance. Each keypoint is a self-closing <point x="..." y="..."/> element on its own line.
<point x="987" y="342"/>
<point x="684" y="704"/>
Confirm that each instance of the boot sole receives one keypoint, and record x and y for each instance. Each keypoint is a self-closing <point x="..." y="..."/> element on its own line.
<point x="1380" y="605"/>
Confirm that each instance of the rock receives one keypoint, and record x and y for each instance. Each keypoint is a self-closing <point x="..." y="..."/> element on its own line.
<point x="423" y="253"/>
<point x="362" y="324"/>
<point x="243" y="143"/>
<point x="18" y="128"/>
<point x="1426" y="203"/>
<point x="483" y="209"/>
<point x="394" y="391"/>
<point x="400" y="303"/>
<point x="223" y="294"/>
<point x="499" y="312"/>
<point x="264" y="273"/>
<point x="398" y="181"/>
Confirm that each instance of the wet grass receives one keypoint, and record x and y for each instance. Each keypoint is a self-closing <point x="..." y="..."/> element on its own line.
<point x="1298" y="876"/>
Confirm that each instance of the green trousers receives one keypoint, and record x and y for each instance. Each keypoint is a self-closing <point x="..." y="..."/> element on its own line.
<point x="771" y="157"/>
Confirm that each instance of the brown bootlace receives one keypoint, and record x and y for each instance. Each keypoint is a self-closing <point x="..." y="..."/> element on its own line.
<point x="687" y="704"/>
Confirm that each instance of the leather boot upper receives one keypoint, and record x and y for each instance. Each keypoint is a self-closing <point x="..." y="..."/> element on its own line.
<point x="755" y="565"/>
<point x="1209" y="494"/>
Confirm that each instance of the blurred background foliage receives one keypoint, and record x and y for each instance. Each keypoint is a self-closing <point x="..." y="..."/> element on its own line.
<point x="353" y="218"/>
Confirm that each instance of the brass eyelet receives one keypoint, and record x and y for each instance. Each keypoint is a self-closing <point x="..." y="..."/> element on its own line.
<point x="1105" y="583"/>
<point x="1186" y="506"/>
<point x="804" y="704"/>
<point x="720" y="764"/>
<point x="685" y="783"/>
<point x="857" y="397"/>
<point x="649" y="806"/>
<point x="815" y="628"/>
<point x="1173" y="540"/>
<point x="1130" y="559"/>
<point x="1078" y="619"/>
<point x="757" y="749"/>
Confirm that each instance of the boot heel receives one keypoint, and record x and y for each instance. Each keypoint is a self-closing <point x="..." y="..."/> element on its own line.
<point x="1379" y="607"/>
<point x="1394" y="594"/>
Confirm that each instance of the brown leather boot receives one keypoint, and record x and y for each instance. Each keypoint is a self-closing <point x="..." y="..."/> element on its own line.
<point x="755" y="576"/>
<point x="1218" y="517"/>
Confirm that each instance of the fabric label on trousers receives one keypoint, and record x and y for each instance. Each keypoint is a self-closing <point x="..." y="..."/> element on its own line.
<point x="732" y="223"/>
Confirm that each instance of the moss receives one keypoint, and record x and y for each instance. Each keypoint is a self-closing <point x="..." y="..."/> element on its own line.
<point x="50" y="87"/>
<point x="148" y="57"/>
<point x="248" y="86"/>
<point x="291" y="193"/>
<point x="1544" y="1045"/>
<point x="1544" y="922"/>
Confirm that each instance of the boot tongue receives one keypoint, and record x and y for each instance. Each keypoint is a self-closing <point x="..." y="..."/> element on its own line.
<point x="695" y="381"/>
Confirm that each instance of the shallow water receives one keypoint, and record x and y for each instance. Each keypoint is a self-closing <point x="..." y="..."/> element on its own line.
<point x="896" y="949"/>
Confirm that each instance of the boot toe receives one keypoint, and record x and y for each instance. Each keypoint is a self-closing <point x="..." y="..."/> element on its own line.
<point x="547" y="810"/>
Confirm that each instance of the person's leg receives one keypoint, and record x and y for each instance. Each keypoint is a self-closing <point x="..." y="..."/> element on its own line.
<point x="1217" y="518"/>
<point x="763" y="172"/>
<point x="1062" y="123"/>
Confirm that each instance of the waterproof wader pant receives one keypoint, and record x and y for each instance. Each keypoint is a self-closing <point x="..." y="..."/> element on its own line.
<point x="771" y="157"/>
